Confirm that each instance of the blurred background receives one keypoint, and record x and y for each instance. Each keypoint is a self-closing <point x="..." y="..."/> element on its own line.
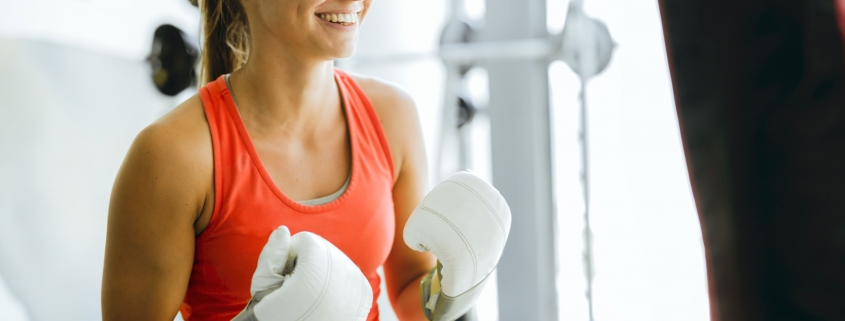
<point x="623" y="243"/>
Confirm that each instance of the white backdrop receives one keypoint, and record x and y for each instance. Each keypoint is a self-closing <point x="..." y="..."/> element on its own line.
<point x="118" y="28"/>
<point x="67" y="117"/>
<point x="648" y="251"/>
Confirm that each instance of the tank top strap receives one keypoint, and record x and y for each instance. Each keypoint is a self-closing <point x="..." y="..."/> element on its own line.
<point x="214" y="96"/>
<point x="366" y="125"/>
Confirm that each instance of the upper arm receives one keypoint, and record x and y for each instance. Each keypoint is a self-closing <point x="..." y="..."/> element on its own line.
<point x="401" y="124"/>
<point x="159" y="192"/>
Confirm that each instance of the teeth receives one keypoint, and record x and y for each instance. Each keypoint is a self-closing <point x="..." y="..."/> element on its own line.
<point x="343" y="18"/>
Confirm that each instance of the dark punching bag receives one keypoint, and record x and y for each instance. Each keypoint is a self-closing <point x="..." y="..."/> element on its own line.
<point x="760" y="93"/>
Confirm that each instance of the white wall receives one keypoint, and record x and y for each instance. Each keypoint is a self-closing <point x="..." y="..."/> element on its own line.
<point x="648" y="251"/>
<point x="118" y="28"/>
<point x="67" y="117"/>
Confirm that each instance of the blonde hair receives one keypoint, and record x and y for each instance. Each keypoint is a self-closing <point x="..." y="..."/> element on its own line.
<point x="225" y="31"/>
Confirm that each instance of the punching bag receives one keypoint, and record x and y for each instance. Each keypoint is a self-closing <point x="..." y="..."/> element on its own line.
<point x="760" y="93"/>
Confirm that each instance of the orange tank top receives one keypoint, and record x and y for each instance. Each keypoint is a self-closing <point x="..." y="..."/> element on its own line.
<point x="248" y="206"/>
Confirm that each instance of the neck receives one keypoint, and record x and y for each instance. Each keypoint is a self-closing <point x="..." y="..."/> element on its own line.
<point x="283" y="92"/>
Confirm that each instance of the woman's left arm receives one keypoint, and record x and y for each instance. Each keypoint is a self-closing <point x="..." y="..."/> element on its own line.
<point x="404" y="267"/>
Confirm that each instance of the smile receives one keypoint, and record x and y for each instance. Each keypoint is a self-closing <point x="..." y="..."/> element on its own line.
<point x="346" y="19"/>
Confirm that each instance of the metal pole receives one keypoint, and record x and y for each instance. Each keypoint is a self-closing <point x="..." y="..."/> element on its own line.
<point x="521" y="159"/>
<point x="585" y="184"/>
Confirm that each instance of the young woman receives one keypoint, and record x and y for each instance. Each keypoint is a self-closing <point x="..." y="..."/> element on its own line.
<point x="277" y="136"/>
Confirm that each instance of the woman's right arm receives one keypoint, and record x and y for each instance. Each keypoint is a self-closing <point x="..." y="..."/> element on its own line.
<point x="163" y="188"/>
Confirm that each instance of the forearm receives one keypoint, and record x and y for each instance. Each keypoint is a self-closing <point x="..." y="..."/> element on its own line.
<point x="407" y="304"/>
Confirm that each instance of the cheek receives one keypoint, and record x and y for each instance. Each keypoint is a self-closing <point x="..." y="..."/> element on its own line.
<point x="279" y="16"/>
<point x="287" y="27"/>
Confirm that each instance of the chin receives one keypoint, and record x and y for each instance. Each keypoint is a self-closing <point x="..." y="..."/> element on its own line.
<point x="342" y="52"/>
<point x="346" y="54"/>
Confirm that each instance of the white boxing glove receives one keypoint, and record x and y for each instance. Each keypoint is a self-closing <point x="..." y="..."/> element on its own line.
<point x="465" y="222"/>
<point x="306" y="278"/>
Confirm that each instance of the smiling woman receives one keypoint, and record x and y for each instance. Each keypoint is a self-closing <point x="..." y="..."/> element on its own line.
<point x="276" y="137"/>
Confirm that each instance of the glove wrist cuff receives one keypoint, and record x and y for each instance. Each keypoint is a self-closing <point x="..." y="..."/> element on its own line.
<point x="437" y="306"/>
<point x="248" y="313"/>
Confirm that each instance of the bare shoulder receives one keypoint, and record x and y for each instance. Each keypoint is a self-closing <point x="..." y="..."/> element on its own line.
<point x="173" y="156"/>
<point x="182" y="135"/>
<point x="397" y="112"/>
<point x="387" y="98"/>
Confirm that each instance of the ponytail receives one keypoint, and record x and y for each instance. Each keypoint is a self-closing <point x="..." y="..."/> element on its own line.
<point x="225" y="33"/>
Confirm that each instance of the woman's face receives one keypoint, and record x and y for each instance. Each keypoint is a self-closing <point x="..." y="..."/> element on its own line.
<point x="322" y="29"/>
